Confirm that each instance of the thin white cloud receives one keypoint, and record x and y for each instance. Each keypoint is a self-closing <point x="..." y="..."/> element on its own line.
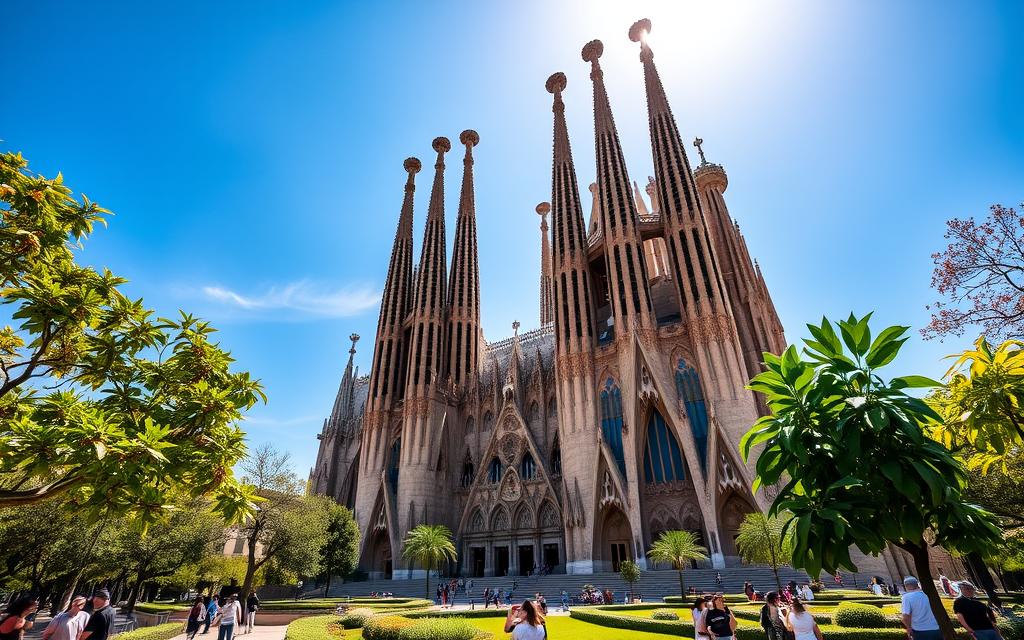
<point x="301" y="297"/>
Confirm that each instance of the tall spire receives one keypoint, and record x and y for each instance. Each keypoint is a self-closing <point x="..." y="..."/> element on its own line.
<point x="696" y="269"/>
<point x="464" y="286"/>
<point x="547" y="310"/>
<point x="574" y="328"/>
<point x="343" y="403"/>
<point x="627" y="273"/>
<point x="428" y="310"/>
<point x="386" y="384"/>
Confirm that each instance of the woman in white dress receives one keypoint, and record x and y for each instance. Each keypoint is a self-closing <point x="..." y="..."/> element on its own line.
<point x="800" y="621"/>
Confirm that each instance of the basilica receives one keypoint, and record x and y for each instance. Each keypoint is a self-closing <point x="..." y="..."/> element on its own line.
<point x="574" y="445"/>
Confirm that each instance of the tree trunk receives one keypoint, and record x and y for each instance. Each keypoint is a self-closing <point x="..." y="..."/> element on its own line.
<point x="682" y="588"/>
<point x="977" y="565"/>
<point x="924" y="575"/>
<point x="778" y="580"/>
<point x="250" y="575"/>
<point x="327" y="589"/>
<point x="428" y="581"/>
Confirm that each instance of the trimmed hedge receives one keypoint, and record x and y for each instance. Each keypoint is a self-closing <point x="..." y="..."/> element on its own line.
<point x="310" y="628"/>
<point x="158" y="632"/>
<point x="386" y="627"/>
<point x="467" y="613"/>
<point x="355" y="618"/>
<point x="664" y="614"/>
<point x="449" y="628"/>
<point x="860" y="616"/>
<point x="1012" y="626"/>
<point x="160" y="607"/>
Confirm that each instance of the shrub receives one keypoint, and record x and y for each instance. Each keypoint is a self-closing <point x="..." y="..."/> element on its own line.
<point x="861" y="616"/>
<point x="160" y="607"/>
<point x="355" y="618"/>
<point x="1012" y="626"/>
<point x="664" y="614"/>
<point x="385" y="627"/>
<point x="471" y="613"/>
<point x="158" y="632"/>
<point x="817" y="586"/>
<point x="310" y="628"/>
<point x="449" y="628"/>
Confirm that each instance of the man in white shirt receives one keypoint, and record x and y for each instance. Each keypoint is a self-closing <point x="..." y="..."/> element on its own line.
<point x="916" y="612"/>
<point x="68" y="625"/>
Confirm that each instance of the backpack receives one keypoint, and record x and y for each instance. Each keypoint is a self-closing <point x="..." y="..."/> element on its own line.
<point x="766" y="622"/>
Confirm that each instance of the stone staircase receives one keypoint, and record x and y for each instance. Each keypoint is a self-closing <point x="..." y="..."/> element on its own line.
<point x="653" y="585"/>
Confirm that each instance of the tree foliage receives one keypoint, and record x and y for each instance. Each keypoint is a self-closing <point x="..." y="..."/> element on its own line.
<point x="980" y="276"/>
<point x="99" y="400"/>
<point x="853" y="452"/>
<point x="629" y="571"/>
<point x="764" y="539"/>
<point x="288" y="528"/>
<point x="428" y="545"/>
<point x="982" y="405"/>
<point x="341" y="552"/>
<point x="677" y="548"/>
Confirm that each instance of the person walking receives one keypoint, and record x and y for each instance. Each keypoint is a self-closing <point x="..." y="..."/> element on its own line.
<point x="565" y="600"/>
<point x="211" y="612"/>
<point x="252" y="605"/>
<point x="974" y="615"/>
<point x="228" y="616"/>
<point x="196" y="616"/>
<point x="718" y="579"/>
<point x="916" y="612"/>
<point x="487" y="597"/>
<point x="718" y="621"/>
<point x="101" y="621"/>
<point x="800" y="622"/>
<point x="19" y="617"/>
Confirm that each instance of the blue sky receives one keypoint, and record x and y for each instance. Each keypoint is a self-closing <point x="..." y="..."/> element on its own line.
<point x="253" y="151"/>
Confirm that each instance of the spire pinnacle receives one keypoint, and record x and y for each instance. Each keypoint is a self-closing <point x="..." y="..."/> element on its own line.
<point x="638" y="33"/>
<point x="697" y="142"/>
<point x="354" y="338"/>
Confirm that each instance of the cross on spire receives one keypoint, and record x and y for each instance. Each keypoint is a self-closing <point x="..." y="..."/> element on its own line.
<point x="697" y="142"/>
<point x="354" y="338"/>
<point x="515" y="327"/>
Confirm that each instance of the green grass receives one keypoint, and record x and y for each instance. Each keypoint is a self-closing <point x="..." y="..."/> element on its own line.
<point x="566" y="628"/>
<point x="158" y="632"/>
<point x="160" y="607"/>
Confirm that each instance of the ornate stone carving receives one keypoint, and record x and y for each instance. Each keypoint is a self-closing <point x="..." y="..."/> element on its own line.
<point x="573" y="365"/>
<point x="548" y="515"/>
<point x="477" y="521"/>
<point x="511" y="489"/>
<point x="382" y="520"/>
<point x="524" y="519"/>
<point x="711" y="328"/>
<point x="727" y="476"/>
<point x="508" y="448"/>
<point x="500" y="521"/>
<point x="648" y="393"/>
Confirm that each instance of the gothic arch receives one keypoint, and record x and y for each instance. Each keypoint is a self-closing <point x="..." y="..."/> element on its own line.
<point x="488" y="422"/>
<point x="499" y="519"/>
<point x="524" y="518"/>
<point x="476" y="521"/>
<point x="548" y="518"/>
<point x="733" y="507"/>
<point x="612" y="420"/>
<point x="613" y="539"/>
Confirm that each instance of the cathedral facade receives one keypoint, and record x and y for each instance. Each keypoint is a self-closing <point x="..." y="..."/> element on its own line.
<point x="574" y="445"/>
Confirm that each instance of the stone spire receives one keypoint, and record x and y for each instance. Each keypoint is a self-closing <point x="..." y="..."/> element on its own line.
<point x="547" y="310"/>
<point x="695" y="267"/>
<point x="627" y="274"/>
<point x="574" y="318"/>
<point x="428" y="310"/>
<point x="696" y="274"/>
<point x="464" y="286"/>
<point x="344" y="402"/>
<point x="386" y="383"/>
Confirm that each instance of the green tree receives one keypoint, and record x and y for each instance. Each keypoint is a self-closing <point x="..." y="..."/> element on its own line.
<point x="852" y="451"/>
<point x="629" y="571"/>
<point x="288" y="527"/>
<point x="184" y="538"/>
<point x="766" y="540"/>
<point x="428" y="545"/>
<point x="677" y="548"/>
<point x="101" y="402"/>
<point x="341" y="553"/>
<point x="982" y="405"/>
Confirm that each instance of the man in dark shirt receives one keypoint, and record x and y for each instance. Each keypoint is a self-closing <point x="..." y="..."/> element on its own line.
<point x="974" y="615"/>
<point x="101" y="622"/>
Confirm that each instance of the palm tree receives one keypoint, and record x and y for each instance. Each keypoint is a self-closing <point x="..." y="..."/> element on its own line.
<point x="677" y="548"/>
<point x="429" y="545"/>
<point x="760" y="540"/>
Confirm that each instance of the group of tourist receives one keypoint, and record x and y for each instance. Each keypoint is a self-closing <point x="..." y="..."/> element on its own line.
<point x="223" y="612"/>
<point x="974" y="615"/>
<point x="790" y="592"/>
<point x="84" y="619"/>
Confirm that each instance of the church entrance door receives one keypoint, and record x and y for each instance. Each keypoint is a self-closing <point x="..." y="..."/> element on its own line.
<point x="500" y="561"/>
<point x="476" y="562"/>
<point x="525" y="559"/>
<point x="618" y="555"/>
<point x="551" y="559"/>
